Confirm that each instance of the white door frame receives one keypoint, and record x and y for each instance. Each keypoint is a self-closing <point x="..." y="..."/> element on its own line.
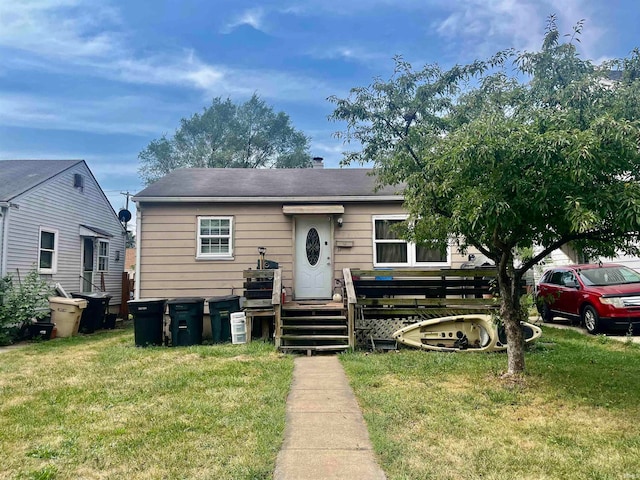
<point x="93" y="263"/>
<point x="324" y="270"/>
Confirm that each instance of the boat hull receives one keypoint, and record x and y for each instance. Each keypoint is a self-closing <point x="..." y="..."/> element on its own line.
<point x="467" y="333"/>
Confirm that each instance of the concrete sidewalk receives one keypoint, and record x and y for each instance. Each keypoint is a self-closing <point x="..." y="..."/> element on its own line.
<point x="325" y="435"/>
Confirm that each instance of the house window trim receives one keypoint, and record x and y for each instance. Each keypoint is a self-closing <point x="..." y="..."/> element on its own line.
<point x="100" y="241"/>
<point x="54" y="260"/>
<point x="411" y="247"/>
<point x="214" y="256"/>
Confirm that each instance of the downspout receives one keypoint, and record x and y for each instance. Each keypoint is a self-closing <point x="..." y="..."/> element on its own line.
<point x="138" y="244"/>
<point x="4" y="237"/>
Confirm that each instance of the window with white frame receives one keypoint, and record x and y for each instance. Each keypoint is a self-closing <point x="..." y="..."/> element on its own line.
<point x="48" y="251"/>
<point x="103" y="255"/>
<point x="215" y="237"/>
<point x="389" y="250"/>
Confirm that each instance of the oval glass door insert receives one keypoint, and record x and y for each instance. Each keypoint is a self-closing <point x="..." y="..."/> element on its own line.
<point x="313" y="246"/>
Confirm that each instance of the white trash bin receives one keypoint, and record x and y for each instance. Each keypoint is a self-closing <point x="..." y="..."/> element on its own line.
<point x="238" y="328"/>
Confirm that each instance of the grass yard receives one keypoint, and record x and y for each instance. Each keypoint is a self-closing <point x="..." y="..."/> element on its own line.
<point x="574" y="415"/>
<point x="96" y="407"/>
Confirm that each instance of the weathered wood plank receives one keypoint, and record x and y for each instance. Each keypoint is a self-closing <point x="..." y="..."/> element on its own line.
<point x="445" y="272"/>
<point x="258" y="273"/>
<point x="348" y="284"/>
<point x="424" y="301"/>
<point x="276" y="295"/>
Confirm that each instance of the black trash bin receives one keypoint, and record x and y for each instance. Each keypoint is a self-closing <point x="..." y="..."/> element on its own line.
<point x="220" y="310"/>
<point x="95" y="315"/>
<point x="148" y="318"/>
<point x="186" y="320"/>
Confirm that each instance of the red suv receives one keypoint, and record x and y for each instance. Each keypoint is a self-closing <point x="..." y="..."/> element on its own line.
<point x="601" y="296"/>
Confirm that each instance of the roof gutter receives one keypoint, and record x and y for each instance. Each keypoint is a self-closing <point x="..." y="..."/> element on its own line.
<point x="337" y="198"/>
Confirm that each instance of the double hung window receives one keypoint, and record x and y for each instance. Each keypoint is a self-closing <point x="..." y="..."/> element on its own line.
<point x="103" y="256"/>
<point x="215" y="239"/>
<point x="48" y="251"/>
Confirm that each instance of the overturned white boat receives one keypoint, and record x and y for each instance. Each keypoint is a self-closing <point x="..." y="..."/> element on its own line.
<point x="474" y="333"/>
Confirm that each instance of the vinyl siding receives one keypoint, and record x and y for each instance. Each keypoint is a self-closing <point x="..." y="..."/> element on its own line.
<point x="168" y="246"/>
<point x="167" y="241"/>
<point x="57" y="205"/>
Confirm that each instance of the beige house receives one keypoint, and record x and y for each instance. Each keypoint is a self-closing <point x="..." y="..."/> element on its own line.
<point x="199" y="229"/>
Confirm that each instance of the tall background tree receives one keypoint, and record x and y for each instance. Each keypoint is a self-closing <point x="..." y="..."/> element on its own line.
<point x="525" y="149"/>
<point x="227" y="135"/>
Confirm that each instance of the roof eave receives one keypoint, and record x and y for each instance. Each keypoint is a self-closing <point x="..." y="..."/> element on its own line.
<point x="337" y="198"/>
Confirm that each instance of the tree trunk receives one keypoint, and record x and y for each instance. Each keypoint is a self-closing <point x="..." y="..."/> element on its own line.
<point x="511" y="315"/>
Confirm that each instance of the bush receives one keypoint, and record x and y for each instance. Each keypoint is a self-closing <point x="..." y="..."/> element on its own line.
<point x="21" y="301"/>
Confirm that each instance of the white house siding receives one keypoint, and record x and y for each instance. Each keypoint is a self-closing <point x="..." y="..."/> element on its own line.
<point x="628" y="260"/>
<point x="56" y="204"/>
<point x="167" y="242"/>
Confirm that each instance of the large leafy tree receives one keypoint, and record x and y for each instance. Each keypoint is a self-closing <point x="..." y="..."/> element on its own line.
<point x="525" y="149"/>
<point x="227" y="135"/>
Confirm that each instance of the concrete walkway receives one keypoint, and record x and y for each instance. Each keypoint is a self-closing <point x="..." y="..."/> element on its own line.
<point x="325" y="435"/>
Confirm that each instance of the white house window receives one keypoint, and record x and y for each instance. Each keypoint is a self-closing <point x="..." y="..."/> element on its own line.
<point x="392" y="251"/>
<point x="47" y="252"/>
<point x="214" y="237"/>
<point x="103" y="256"/>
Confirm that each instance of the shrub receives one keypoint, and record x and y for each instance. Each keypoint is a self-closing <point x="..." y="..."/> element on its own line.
<point x="21" y="301"/>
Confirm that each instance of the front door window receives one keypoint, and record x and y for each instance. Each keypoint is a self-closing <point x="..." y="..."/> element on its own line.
<point x="313" y="246"/>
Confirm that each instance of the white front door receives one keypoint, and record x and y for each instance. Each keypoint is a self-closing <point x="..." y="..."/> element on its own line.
<point x="313" y="263"/>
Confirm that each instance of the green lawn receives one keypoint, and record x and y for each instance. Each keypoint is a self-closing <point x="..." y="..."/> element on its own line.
<point x="574" y="415"/>
<point x="98" y="407"/>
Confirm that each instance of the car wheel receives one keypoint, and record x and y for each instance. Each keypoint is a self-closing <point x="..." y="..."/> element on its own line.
<point x="590" y="319"/>
<point x="546" y="314"/>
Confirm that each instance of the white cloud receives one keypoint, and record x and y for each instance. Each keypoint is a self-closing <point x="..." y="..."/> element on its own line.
<point x="99" y="116"/>
<point x="485" y="26"/>
<point x="253" y="17"/>
<point x="83" y="47"/>
<point x="351" y="53"/>
<point x="63" y="29"/>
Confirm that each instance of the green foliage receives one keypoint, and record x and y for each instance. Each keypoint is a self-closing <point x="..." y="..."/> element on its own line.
<point x="21" y="300"/>
<point x="227" y="135"/>
<point x="526" y="148"/>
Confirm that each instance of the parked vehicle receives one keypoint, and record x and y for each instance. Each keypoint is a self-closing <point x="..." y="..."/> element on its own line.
<point x="600" y="296"/>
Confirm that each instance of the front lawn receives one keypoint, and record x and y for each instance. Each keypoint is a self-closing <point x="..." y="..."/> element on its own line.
<point x="97" y="407"/>
<point x="574" y="415"/>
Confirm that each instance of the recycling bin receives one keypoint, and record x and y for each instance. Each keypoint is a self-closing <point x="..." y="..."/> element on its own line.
<point x="186" y="320"/>
<point x="220" y="310"/>
<point x="148" y="318"/>
<point x="94" y="316"/>
<point x="65" y="314"/>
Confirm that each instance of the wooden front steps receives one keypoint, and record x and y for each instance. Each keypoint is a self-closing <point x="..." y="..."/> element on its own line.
<point x="313" y="326"/>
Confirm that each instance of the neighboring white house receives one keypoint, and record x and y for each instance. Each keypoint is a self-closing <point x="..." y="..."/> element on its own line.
<point x="55" y="217"/>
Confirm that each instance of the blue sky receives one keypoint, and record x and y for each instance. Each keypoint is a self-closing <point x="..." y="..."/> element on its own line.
<point x="98" y="80"/>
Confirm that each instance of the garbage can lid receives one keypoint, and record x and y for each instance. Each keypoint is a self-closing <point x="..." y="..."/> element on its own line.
<point x="186" y="300"/>
<point x="91" y="295"/>
<point x="224" y="298"/>
<point x="146" y="300"/>
<point x="78" y="302"/>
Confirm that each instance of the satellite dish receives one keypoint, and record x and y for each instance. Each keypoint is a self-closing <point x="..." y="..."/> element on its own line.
<point x="124" y="215"/>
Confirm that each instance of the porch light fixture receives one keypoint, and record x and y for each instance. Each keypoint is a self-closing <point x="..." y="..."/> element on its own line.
<point x="262" y="250"/>
<point x="339" y="221"/>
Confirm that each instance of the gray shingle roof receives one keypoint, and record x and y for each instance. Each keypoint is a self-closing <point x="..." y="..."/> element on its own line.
<point x="311" y="183"/>
<point x="18" y="176"/>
